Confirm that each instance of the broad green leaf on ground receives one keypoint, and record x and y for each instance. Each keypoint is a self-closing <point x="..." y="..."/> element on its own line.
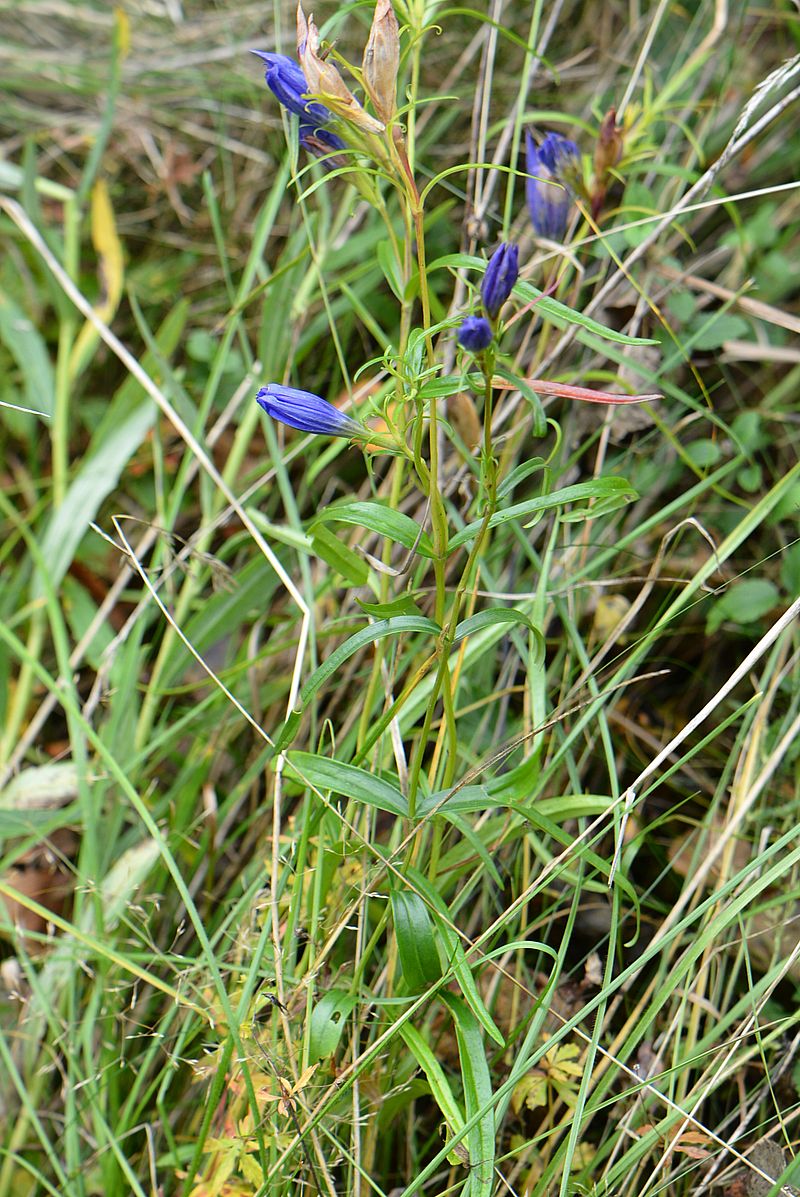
<point x="328" y="1020"/>
<point x="743" y="602"/>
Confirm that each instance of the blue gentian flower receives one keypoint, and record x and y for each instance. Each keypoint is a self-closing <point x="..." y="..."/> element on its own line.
<point x="501" y="274"/>
<point x="319" y="140"/>
<point x="474" y="334"/>
<point x="286" y="81"/>
<point x="306" y="411"/>
<point x="549" y="203"/>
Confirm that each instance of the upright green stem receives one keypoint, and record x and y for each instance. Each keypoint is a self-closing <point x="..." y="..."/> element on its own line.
<point x="442" y="679"/>
<point x="375" y="676"/>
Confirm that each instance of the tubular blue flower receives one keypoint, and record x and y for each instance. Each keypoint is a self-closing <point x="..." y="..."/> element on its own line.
<point x="306" y="411"/>
<point x="286" y="81"/>
<point x="319" y="140"/>
<point x="474" y="334"/>
<point x="556" y="159"/>
<point x="501" y="274"/>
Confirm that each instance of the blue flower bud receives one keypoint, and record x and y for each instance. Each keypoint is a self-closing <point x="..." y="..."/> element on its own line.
<point x="309" y="413"/>
<point x="549" y="203"/>
<point x="501" y="274"/>
<point x="319" y="140"/>
<point x="286" y="81"/>
<point x="474" y="334"/>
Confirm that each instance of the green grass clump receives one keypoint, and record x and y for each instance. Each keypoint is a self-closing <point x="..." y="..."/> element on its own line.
<point x="418" y="816"/>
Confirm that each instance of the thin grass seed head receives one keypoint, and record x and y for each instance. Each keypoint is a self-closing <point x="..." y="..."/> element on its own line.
<point x="554" y="168"/>
<point x="502" y="272"/>
<point x="307" y="412"/>
<point x="474" y="334"/>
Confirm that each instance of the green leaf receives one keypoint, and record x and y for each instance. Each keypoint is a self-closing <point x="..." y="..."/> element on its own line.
<point x="748" y="429"/>
<point x="599" y="488"/>
<point x="129" y="418"/>
<point x="743" y="603"/>
<point x="519" y="475"/>
<point x="539" y="425"/>
<point x="713" y="333"/>
<point x="494" y="615"/>
<point x="639" y="203"/>
<point x="288" y="731"/>
<point x="340" y="557"/>
<point x="436" y="388"/>
<point x="435" y="1074"/>
<point x="703" y="453"/>
<point x="27" y="347"/>
<point x="477" y="1096"/>
<point x="415" y="943"/>
<point x="376" y="631"/>
<point x="327" y="1023"/>
<point x="463" y="800"/>
<point x="348" y="780"/>
<point x="750" y="478"/>
<point x="404" y="605"/>
<point x="39" y="823"/>
<point x="790" y="569"/>
<point x="474" y="840"/>
<point x="455" y="954"/>
<point x="377" y="517"/>
<point x="387" y="260"/>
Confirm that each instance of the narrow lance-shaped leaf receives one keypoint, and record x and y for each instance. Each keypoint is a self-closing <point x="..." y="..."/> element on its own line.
<point x="415" y="941"/>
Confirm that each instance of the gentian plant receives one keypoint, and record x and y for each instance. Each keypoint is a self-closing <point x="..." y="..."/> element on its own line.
<point x="424" y="567"/>
<point x="306" y="411"/>
<point x="405" y="420"/>
<point x="553" y="169"/>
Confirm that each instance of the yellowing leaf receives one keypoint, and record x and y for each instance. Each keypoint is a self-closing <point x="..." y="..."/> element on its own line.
<point x="123" y="33"/>
<point x="610" y="611"/>
<point x="531" y="1091"/>
<point x="111" y="270"/>
<point x="252" y="1172"/>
